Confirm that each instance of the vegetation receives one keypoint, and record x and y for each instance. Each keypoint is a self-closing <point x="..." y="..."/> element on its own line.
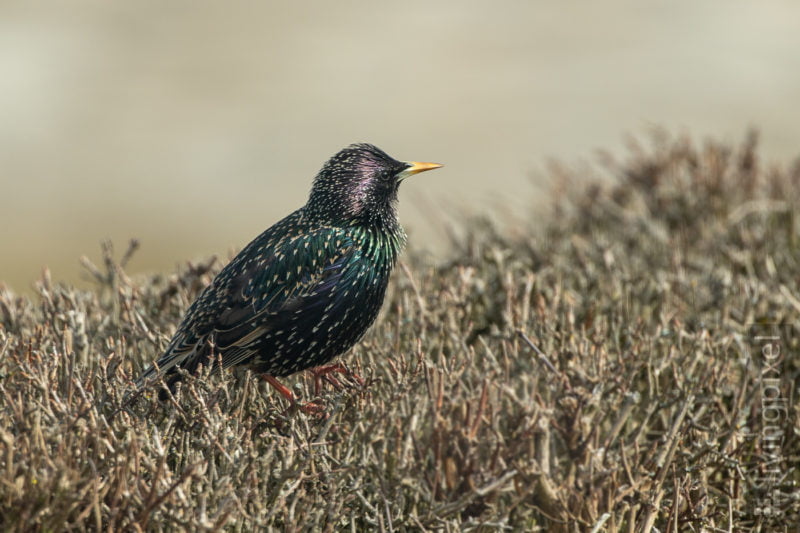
<point x="603" y="370"/>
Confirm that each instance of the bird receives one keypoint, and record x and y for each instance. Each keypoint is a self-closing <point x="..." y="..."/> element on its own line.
<point x="306" y="289"/>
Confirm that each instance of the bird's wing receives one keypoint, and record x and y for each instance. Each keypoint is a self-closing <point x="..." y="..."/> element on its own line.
<point x="251" y="294"/>
<point x="308" y="293"/>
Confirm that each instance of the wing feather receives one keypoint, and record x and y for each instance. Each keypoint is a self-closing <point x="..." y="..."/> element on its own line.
<point x="263" y="285"/>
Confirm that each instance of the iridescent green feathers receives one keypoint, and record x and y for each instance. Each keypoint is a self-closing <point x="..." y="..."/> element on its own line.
<point x="306" y="289"/>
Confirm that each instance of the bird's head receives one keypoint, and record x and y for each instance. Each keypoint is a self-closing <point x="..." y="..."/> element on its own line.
<point x="359" y="184"/>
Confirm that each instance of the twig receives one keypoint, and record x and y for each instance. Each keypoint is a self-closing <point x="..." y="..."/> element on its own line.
<point x="601" y="522"/>
<point x="542" y="357"/>
<point x="420" y="301"/>
<point x="663" y="462"/>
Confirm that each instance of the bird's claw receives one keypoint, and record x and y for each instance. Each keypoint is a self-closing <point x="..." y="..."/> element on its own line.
<point x="325" y="372"/>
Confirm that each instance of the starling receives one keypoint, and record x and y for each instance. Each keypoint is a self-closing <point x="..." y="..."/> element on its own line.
<point x="307" y="288"/>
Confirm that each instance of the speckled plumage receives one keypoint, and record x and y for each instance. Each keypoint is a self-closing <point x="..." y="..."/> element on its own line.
<point x="307" y="288"/>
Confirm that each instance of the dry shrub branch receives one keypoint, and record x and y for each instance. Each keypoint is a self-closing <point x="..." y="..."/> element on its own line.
<point x="598" y="373"/>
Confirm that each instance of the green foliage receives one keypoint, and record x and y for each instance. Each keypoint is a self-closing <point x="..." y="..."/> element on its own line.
<point x="645" y="407"/>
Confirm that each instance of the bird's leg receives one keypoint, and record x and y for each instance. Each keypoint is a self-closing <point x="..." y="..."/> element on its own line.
<point x="326" y="371"/>
<point x="309" y="407"/>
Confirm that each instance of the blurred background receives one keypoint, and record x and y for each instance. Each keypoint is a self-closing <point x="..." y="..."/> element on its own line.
<point x="193" y="126"/>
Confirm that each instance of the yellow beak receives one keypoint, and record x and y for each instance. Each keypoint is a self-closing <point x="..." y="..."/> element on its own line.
<point x="416" y="168"/>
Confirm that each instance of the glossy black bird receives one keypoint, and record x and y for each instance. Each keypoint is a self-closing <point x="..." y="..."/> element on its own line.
<point x="305" y="290"/>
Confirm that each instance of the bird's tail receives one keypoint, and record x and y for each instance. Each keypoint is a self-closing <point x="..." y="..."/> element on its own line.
<point x="171" y="367"/>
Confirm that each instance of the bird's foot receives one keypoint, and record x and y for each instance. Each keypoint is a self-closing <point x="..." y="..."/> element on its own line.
<point x="325" y="372"/>
<point x="314" y="407"/>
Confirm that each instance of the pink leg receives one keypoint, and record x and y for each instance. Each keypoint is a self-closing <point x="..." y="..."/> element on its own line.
<point x="310" y="407"/>
<point x="326" y="371"/>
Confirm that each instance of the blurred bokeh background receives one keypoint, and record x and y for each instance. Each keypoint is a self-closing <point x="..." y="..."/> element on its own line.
<point x="192" y="126"/>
